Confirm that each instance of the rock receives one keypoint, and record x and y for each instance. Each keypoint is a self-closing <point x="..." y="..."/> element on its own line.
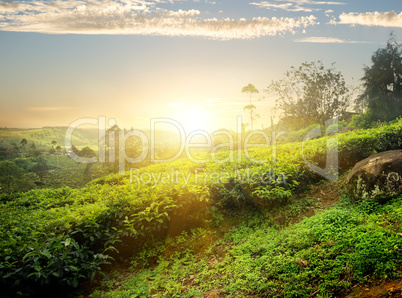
<point x="213" y="294"/>
<point x="378" y="177"/>
<point x="303" y="263"/>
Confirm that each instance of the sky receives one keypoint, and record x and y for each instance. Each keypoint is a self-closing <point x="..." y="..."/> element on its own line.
<point x="186" y="60"/>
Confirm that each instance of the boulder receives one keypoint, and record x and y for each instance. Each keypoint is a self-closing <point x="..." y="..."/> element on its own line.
<point x="378" y="177"/>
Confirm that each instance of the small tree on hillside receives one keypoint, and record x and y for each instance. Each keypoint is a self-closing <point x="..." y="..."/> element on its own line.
<point x="23" y="143"/>
<point x="41" y="168"/>
<point x="75" y="149"/>
<point x="250" y="90"/>
<point x="9" y="175"/>
<point x="311" y="94"/>
<point x="87" y="152"/>
<point x="383" y="83"/>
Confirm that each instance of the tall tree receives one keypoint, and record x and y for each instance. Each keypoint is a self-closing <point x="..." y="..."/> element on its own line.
<point x="311" y="94"/>
<point x="41" y="168"/>
<point x="87" y="152"/>
<point x="250" y="90"/>
<point x="23" y="142"/>
<point x="383" y="83"/>
<point x="9" y="175"/>
<point x="75" y="149"/>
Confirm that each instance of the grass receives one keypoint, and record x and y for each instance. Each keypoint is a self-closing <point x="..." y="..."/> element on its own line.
<point x="323" y="256"/>
<point x="66" y="172"/>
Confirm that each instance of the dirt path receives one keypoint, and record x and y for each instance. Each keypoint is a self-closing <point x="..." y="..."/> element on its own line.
<point x="326" y="194"/>
<point x="378" y="289"/>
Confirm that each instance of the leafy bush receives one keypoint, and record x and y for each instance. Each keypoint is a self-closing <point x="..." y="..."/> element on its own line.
<point x="361" y="121"/>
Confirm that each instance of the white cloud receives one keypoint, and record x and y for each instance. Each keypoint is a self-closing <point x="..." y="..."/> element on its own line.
<point x="328" y="12"/>
<point x="384" y="19"/>
<point x="138" y="18"/>
<point x="311" y="2"/>
<point x="319" y="39"/>
<point x="284" y="6"/>
<point x="294" y="5"/>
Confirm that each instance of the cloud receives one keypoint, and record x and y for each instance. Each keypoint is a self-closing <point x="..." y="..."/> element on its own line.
<point x="314" y="2"/>
<point x="328" y="12"/>
<point x="136" y="17"/>
<point x="294" y="5"/>
<point x="318" y="39"/>
<point x="284" y="6"/>
<point x="383" y="19"/>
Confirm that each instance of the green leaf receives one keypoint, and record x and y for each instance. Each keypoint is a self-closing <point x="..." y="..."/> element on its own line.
<point x="75" y="283"/>
<point x="67" y="242"/>
<point x="32" y="253"/>
<point x="46" y="253"/>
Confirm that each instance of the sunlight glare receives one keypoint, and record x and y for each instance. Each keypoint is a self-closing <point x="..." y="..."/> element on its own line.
<point x="193" y="117"/>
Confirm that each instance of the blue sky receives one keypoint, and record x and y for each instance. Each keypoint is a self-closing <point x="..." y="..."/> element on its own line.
<point x="186" y="60"/>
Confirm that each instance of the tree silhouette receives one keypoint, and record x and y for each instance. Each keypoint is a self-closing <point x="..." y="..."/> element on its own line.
<point x="23" y="145"/>
<point x="383" y="83"/>
<point x="87" y="152"/>
<point x="74" y="149"/>
<point x="23" y="142"/>
<point x="311" y="94"/>
<point x="250" y="90"/>
<point x="9" y="174"/>
<point x="41" y="168"/>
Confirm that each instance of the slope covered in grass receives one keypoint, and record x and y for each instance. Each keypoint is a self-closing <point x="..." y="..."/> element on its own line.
<point x="324" y="255"/>
<point x="46" y="135"/>
<point x="62" y="237"/>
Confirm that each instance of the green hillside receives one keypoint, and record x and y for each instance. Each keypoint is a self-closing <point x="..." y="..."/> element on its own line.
<point x="65" y="237"/>
<point x="46" y="135"/>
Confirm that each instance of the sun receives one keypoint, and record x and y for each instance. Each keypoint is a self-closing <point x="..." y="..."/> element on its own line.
<point x="193" y="117"/>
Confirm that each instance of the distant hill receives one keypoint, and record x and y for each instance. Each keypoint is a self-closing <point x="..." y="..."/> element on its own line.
<point x="45" y="135"/>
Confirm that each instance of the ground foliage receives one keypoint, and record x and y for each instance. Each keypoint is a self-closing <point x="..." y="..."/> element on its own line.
<point x="323" y="256"/>
<point x="63" y="237"/>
